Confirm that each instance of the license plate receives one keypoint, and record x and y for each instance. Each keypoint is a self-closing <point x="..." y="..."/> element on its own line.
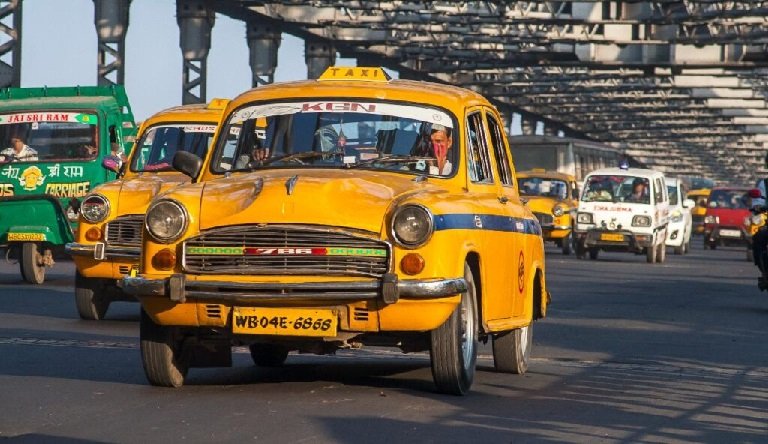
<point x="730" y="233"/>
<point x="612" y="237"/>
<point x="284" y="321"/>
<point x="26" y="237"/>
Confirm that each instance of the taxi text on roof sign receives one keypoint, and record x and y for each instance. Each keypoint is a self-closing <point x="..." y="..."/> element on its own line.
<point x="369" y="74"/>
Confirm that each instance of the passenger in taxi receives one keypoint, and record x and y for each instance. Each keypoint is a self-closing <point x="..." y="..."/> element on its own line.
<point x="18" y="152"/>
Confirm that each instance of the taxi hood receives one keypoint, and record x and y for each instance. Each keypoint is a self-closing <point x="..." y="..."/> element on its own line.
<point x="540" y="204"/>
<point x="344" y="198"/>
<point x="137" y="192"/>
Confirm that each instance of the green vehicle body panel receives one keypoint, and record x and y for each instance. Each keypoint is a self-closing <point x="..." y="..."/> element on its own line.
<point x="37" y="196"/>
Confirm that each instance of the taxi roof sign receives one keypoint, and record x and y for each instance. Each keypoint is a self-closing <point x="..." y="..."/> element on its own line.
<point x="368" y="74"/>
<point x="217" y="103"/>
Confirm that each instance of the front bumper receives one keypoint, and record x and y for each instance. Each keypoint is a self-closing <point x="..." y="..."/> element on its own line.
<point x="714" y="234"/>
<point x="388" y="290"/>
<point x="101" y="251"/>
<point x="604" y="239"/>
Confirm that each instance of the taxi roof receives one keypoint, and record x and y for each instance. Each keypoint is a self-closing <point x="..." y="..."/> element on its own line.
<point x="198" y="112"/>
<point x="446" y="96"/>
<point x="637" y="172"/>
<point x="546" y="173"/>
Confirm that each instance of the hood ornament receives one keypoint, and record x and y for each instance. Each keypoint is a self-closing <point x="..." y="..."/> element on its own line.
<point x="290" y="184"/>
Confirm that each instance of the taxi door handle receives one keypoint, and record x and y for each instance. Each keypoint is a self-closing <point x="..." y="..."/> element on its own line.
<point x="503" y="199"/>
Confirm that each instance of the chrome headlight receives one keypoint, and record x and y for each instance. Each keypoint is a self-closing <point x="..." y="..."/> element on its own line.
<point x="677" y="216"/>
<point x="711" y="220"/>
<point x="584" y="218"/>
<point x="166" y="220"/>
<point x="641" y="221"/>
<point x="95" y="208"/>
<point x="557" y="211"/>
<point x="412" y="225"/>
<point x="757" y="219"/>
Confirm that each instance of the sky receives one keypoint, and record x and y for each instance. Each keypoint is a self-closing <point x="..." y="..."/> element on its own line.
<point x="59" y="48"/>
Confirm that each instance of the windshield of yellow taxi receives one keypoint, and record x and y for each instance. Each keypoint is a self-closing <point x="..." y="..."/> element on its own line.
<point x="379" y="135"/>
<point x="542" y="186"/>
<point x="159" y="143"/>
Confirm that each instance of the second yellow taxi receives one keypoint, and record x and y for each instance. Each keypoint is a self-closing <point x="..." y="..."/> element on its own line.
<point x="335" y="213"/>
<point x="553" y="198"/>
<point x="108" y="242"/>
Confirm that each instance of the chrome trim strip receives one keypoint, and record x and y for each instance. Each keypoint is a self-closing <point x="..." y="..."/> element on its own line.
<point x="277" y="291"/>
<point x="77" y="249"/>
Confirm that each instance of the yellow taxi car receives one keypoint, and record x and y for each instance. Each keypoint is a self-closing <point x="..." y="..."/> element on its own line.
<point x="108" y="243"/>
<point x="340" y="212"/>
<point x="553" y="198"/>
<point x="701" y="197"/>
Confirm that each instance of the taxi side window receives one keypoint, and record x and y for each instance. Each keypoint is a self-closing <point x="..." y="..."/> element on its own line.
<point x="499" y="150"/>
<point x="477" y="159"/>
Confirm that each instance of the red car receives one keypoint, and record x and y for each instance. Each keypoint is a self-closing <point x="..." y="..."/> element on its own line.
<point x="724" y="221"/>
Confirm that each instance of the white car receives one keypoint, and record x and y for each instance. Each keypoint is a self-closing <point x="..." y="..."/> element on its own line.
<point x="680" y="218"/>
<point x="623" y="210"/>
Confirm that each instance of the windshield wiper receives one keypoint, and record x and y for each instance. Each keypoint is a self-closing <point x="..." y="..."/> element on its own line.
<point x="391" y="158"/>
<point x="297" y="157"/>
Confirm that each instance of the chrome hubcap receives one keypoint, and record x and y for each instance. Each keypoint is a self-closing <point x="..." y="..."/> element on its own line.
<point x="467" y="322"/>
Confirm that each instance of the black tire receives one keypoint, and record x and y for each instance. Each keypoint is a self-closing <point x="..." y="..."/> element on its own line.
<point x="661" y="253"/>
<point x="512" y="350"/>
<point x="268" y="355"/>
<point x="90" y="300"/>
<point x="453" y="345"/>
<point x="567" y="244"/>
<point x="162" y="356"/>
<point x="32" y="268"/>
<point x="650" y="255"/>
<point x="594" y="253"/>
<point x="680" y="250"/>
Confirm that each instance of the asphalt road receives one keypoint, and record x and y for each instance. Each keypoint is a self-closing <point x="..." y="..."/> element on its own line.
<point x="630" y="352"/>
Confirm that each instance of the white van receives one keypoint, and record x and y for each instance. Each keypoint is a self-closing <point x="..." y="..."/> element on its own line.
<point x="623" y="210"/>
<point x="680" y="218"/>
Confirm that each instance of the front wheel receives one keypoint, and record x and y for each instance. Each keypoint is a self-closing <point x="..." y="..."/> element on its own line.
<point x="593" y="253"/>
<point x="512" y="350"/>
<point x="162" y="354"/>
<point x="453" y="345"/>
<point x="661" y="252"/>
<point x="31" y="264"/>
<point x="650" y="255"/>
<point x="680" y="250"/>
<point x="567" y="243"/>
<point x="90" y="299"/>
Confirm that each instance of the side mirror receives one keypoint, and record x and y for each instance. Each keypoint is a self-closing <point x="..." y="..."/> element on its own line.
<point x="688" y="203"/>
<point x="754" y="193"/>
<point x="111" y="164"/>
<point x="187" y="163"/>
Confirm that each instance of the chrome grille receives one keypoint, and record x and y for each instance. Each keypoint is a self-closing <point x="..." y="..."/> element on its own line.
<point x="268" y="237"/>
<point x="544" y="219"/>
<point x="125" y="230"/>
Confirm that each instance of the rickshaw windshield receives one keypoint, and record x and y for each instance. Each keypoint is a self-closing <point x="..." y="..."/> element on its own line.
<point x="48" y="136"/>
